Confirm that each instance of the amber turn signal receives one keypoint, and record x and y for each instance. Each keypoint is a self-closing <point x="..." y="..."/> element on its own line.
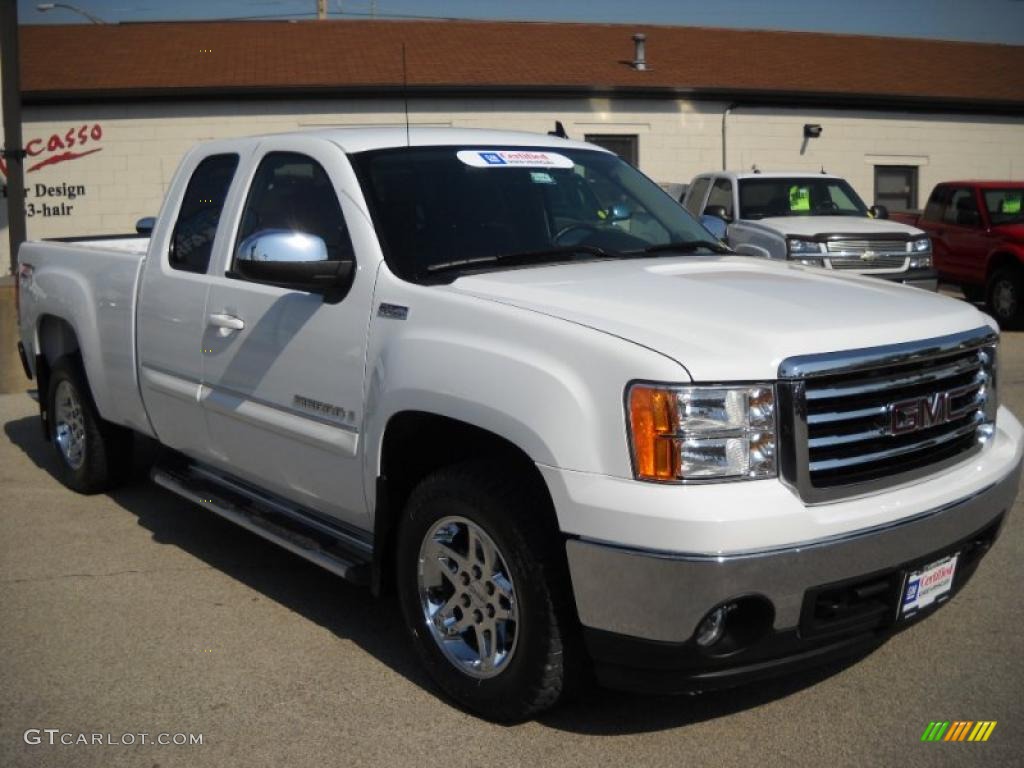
<point x="653" y="416"/>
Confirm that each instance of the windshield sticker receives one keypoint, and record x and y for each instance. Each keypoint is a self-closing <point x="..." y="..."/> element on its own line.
<point x="799" y="198"/>
<point x="540" y="177"/>
<point x="1011" y="203"/>
<point x="513" y="158"/>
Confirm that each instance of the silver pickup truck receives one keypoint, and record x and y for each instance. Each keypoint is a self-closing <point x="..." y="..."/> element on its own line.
<point x="816" y="220"/>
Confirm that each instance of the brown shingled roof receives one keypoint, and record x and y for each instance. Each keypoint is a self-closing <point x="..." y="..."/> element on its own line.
<point x="191" y="58"/>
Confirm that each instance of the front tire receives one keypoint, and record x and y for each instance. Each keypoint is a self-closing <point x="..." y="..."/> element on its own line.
<point x="485" y="594"/>
<point x="1004" y="298"/>
<point x="93" y="455"/>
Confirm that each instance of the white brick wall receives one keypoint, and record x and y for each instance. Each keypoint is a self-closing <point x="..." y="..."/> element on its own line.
<point x="142" y="144"/>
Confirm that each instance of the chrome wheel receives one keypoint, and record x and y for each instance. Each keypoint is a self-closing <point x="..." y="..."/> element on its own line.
<point x="468" y="598"/>
<point x="69" y="425"/>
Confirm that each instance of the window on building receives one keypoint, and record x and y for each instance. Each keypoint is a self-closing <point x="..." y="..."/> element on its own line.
<point x="695" y="199"/>
<point x="625" y="146"/>
<point x="293" y="192"/>
<point x="896" y="187"/>
<point x="196" y="227"/>
<point x="721" y="194"/>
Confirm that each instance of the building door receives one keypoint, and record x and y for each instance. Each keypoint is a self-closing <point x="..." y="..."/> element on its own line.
<point x="896" y="187"/>
<point x="625" y="146"/>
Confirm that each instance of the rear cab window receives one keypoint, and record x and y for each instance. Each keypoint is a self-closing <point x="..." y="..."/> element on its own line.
<point x="936" y="204"/>
<point x="695" y="200"/>
<point x="201" y="206"/>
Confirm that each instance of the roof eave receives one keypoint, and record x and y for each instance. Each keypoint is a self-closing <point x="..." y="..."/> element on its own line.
<point x="738" y="96"/>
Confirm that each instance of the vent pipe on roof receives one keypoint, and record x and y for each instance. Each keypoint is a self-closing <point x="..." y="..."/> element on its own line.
<point x="639" y="51"/>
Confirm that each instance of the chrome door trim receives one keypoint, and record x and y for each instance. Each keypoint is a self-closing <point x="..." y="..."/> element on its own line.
<point x="171" y="384"/>
<point x="321" y="433"/>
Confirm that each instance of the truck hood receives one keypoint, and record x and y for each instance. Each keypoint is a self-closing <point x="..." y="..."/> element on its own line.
<point x="823" y="225"/>
<point x="727" y="318"/>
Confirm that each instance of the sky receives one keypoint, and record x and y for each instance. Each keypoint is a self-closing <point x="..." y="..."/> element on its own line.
<point x="990" y="21"/>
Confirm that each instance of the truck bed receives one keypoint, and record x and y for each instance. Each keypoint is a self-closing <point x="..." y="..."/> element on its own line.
<point x="91" y="285"/>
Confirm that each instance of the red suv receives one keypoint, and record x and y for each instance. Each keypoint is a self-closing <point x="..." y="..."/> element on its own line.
<point x="977" y="231"/>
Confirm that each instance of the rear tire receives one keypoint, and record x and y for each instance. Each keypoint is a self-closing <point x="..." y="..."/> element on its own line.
<point x="93" y="455"/>
<point x="1004" y="297"/>
<point x="478" y="552"/>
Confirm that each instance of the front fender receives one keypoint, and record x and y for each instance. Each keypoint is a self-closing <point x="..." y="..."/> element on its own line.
<point x="553" y="388"/>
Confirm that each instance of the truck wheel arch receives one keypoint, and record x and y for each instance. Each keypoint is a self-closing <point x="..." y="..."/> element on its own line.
<point x="1000" y="259"/>
<point x="55" y="338"/>
<point x="416" y="444"/>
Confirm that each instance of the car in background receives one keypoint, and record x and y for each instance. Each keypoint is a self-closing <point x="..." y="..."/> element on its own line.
<point x="977" y="232"/>
<point x="817" y="220"/>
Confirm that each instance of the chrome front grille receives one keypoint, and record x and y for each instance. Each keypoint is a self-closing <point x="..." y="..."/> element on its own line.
<point x="867" y="254"/>
<point x="864" y="420"/>
<point x="887" y="261"/>
<point x="859" y="246"/>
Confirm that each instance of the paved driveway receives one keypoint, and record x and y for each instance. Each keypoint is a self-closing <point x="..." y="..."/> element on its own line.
<point x="139" y="613"/>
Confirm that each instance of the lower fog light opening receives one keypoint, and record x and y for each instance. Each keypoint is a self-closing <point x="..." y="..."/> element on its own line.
<point x="735" y="625"/>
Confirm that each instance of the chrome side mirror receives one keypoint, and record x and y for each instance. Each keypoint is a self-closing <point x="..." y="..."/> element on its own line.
<point x="145" y="225"/>
<point x="714" y="225"/>
<point x="280" y="246"/>
<point x="294" y="260"/>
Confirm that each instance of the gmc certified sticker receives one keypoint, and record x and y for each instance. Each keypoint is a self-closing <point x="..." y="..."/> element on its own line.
<point x="512" y="158"/>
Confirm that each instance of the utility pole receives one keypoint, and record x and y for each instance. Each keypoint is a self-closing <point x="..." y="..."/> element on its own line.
<point x="13" y="153"/>
<point x="321" y="9"/>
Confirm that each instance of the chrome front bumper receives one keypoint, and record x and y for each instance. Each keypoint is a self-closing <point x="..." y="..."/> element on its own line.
<point x="662" y="597"/>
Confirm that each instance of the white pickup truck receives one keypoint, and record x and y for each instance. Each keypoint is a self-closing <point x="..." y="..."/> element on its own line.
<point x="508" y="377"/>
<point x="816" y="220"/>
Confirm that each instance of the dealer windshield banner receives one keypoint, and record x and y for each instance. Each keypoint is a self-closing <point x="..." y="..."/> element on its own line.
<point x="513" y="158"/>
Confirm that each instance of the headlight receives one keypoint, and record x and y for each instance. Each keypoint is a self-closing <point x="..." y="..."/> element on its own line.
<point x="684" y="434"/>
<point x="802" y="247"/>
<point x="921" y="253"/>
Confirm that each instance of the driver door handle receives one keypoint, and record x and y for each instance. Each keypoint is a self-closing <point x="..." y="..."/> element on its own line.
<point x="226" y="322"/>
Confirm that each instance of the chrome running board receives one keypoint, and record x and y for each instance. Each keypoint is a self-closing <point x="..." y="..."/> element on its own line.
<point x="301" y="534"/>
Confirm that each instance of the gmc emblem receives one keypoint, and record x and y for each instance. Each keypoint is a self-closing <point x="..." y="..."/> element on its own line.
<point x="909" y="416"/>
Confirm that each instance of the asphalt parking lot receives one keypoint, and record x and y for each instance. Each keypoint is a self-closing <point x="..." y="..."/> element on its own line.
<point x="138" y="612"/>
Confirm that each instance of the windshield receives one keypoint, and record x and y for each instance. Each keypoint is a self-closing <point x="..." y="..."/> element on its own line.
<point x="801" y="196"/>
<point x="436" y="208"/>
<point x="1004" y="205"/>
